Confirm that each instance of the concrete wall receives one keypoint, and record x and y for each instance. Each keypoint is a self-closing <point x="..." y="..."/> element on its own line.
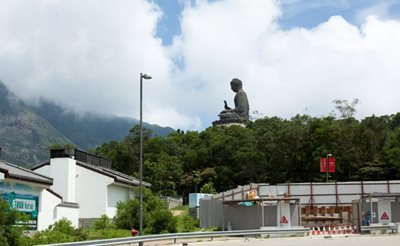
<point x="71" y="214"/>
<point x="92" y="193"/>
<point x="47" y="209"/>
<point x="95" y="193"/>
<point x="63" y="172"/>
<point x="115" y="194"/>
<point x="172" y="202"/>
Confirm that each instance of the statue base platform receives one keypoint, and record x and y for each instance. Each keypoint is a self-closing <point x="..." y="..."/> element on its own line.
<point x="230" y="118"/>
<point x="230" y="122"/>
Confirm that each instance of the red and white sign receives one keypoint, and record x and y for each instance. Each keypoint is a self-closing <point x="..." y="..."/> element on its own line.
<point x="283" y="214"/>
<point x="384" y="216"/>
<point x="384" y="211"/>
<point x="331" y="165"/>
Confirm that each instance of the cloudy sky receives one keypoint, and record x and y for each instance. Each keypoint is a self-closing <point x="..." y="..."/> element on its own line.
<point x="293" y="56"/>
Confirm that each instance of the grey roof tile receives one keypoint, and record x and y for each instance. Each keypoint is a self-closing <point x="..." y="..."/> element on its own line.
<point x="118" y="176"/>
<point x="12" y="171"/>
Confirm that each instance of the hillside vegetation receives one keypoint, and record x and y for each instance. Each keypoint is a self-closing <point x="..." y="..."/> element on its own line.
<point x="24" y="135"/>
<point x="270" y="150"/>
<point x="27" y="132"/>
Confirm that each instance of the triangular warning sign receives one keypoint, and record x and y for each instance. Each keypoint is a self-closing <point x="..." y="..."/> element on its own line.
<point x="284" y="220"/>
<point x="384" y="216"/>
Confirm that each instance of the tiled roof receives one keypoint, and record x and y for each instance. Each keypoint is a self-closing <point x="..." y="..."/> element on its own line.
<point x="118" y="176"/>
<point x="15" y="172"/>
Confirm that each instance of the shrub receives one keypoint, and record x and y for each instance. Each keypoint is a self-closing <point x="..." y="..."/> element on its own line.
<point x="60" y="232"/>
<point x="153" y="206"/>
<point x="188" y="223"/>
<point x="103" y="223"/>
<point x="163" y="221"/>
<point x="9" y="234"/>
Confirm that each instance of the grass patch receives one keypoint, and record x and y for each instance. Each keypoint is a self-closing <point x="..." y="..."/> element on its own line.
<point x="185" y="223"/>
<point x="94" y="234"/>
<point x="184" y="208"/>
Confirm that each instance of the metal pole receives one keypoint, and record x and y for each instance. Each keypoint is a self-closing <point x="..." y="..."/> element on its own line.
<point x="141" y="162"/>
<point x="327" y="166"/>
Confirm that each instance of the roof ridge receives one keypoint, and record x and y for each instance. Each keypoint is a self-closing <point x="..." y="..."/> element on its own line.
<point x="27" y="170"/>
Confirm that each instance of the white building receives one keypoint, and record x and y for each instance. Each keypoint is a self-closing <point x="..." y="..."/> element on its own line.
<point x="86" y="184"/>
<point x="29" y="192"/>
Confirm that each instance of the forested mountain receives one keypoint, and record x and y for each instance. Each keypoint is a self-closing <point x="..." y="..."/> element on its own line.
<point x="27" y="132"/>
<point x="270" y="150"/>
<point x="24" y="135"/>
<point x="88" y="131"/>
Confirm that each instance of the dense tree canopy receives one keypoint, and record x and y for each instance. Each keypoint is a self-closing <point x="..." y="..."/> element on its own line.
<point x="270" y="150"/>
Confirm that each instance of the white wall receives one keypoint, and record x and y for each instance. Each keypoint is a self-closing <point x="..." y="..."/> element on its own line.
<point x="1" y="176"/>
<point x="95" y="193"/>
<point x="47" y="209"/>
<point x="71" y="214"/>
<point x="63" y="172"/>
<point x="115" y="194"/>
<point x="91" y="192"/>
<point x="44" y="170"/>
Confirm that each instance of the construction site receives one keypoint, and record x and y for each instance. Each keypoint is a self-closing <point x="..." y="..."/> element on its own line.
<point x="331" y="208"/>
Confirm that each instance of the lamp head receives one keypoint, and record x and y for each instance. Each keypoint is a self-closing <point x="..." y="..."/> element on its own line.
<point x="146" y="75"/>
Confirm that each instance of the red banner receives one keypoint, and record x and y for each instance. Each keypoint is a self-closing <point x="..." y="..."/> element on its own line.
<point x="322" y="165"/>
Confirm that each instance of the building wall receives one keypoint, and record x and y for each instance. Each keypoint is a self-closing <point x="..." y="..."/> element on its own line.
<point x="71" y="214"/>
<point x="63" y="172"/>
<point x="44" y="170"/>
<point x="92" y="192"/>
<point x="115" y="194"/>
<point x="95" y="193"/>
<point x="47" y="209"/>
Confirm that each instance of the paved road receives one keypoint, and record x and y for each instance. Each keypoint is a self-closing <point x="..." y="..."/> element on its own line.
<point x="353" y="240"/>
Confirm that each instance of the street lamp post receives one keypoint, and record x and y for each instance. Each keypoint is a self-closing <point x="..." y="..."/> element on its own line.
<point x="142" y="76"/>
<point x="327" y="166"/>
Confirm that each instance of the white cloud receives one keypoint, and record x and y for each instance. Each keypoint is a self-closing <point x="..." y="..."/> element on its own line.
<point x="171" y="117"/>
<point x="287" y="71"/>
<point x="380" y="9"/>
<point x="83" y="54"/>
<point x="88" y="55"/>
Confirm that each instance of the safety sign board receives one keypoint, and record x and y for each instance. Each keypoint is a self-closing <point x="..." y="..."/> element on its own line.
<point x="384" y="216"/>
<point x="284" y="220"/>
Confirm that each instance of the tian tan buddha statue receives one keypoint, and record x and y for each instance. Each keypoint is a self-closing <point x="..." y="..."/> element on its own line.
<point x="239" y="114"/>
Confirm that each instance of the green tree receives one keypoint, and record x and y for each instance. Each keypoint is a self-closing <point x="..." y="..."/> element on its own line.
<point x="208" y="188"/>
<point x="9" y="235"/>
<point x="346" y="109"/>
<point x="391" y="154"/>
<point x="153" y="206"/>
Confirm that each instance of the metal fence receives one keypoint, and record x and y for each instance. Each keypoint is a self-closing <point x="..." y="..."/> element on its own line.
<point x="175" y="236"/>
